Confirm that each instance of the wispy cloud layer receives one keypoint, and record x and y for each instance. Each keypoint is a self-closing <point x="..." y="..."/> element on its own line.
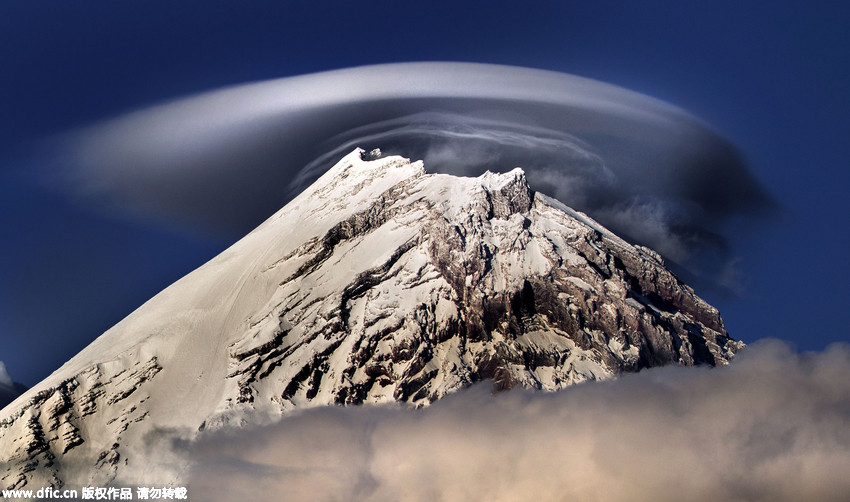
<point x="228" y="159"/>
<point x="772" y="426"/>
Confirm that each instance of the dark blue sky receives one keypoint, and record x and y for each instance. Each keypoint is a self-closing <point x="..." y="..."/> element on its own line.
<point x="772" y="77"/>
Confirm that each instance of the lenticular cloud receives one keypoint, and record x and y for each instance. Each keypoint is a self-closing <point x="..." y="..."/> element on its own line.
<point x="772" y="426"/>
<point x="227" y="159"/>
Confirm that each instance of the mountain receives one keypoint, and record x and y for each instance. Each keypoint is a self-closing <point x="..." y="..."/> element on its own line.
<point x="378" y="283"/>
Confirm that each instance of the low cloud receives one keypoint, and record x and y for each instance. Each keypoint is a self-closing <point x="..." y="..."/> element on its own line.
<point x="774" y="425"/>
<point x="9" y="389"/>
<point x="5" y="379"/>
<point x="228" y="159"/>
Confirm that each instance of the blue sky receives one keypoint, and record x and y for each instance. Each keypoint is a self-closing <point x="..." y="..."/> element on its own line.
<point x="770" y="77"/>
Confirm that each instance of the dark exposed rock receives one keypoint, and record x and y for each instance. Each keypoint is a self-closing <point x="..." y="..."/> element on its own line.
<point x="594" y="306"/>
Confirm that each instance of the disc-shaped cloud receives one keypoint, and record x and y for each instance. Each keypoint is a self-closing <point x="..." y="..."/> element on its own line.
<point x="227" y="159"/>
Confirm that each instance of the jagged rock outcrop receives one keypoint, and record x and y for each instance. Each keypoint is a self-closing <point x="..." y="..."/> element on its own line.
<point x="379" y="283"/>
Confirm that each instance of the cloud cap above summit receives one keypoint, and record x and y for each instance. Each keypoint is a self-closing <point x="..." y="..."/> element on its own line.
<point x="227" y="159"/>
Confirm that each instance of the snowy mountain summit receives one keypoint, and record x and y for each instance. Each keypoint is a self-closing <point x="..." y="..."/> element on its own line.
<point x="378" y="283"/>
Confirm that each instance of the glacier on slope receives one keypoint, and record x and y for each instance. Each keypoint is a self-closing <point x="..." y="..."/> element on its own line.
<point x="379" y="283"/>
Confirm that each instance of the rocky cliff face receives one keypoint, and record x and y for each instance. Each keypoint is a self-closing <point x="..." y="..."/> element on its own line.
<point x="379" y="283"/>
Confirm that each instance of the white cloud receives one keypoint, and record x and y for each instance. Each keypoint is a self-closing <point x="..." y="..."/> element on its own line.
<point x="228" y="159"/>
<point x="772" y="426"/>
<point x="5" y="379"/>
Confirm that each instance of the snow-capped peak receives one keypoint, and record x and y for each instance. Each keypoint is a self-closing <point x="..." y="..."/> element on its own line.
<point x="497" y="181"/>
<point x="378" y="283"/>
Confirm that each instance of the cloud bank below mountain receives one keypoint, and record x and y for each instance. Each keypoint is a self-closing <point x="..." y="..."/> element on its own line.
<point x="772" y="426"/>
<point x="227" y="159"/>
